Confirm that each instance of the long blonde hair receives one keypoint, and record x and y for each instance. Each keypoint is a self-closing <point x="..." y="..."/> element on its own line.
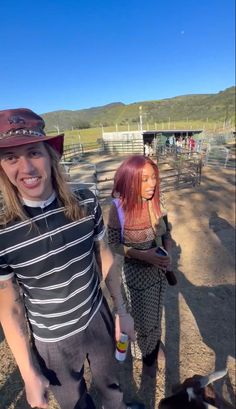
<point x="11" y="206"/>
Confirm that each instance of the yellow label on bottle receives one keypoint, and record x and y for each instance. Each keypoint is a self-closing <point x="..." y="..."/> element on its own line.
<point x="121" y="346"/>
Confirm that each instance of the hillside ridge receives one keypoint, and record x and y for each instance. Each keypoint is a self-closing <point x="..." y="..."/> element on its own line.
<point x="212" y="107"/>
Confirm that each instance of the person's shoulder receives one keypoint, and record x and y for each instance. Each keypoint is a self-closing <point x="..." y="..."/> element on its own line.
<point x="87" y="199"/>
<point x="84" y="194"/>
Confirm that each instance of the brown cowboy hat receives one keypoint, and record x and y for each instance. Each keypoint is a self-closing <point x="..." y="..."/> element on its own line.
<point x="22" y="126"/>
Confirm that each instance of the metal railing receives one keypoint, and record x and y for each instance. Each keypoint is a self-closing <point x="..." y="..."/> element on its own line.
<point x="176" y="172"/>
<point x="218" y="156"/>
<point x="73" y="153"/>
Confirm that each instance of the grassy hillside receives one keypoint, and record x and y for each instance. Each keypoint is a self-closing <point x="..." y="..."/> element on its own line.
<point x="201" y="108"/>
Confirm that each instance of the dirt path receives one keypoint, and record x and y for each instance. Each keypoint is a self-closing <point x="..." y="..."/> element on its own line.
<point x="199" y="318"/>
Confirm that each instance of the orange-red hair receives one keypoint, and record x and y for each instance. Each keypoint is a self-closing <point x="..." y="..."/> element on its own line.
<point x="127" y="185"/>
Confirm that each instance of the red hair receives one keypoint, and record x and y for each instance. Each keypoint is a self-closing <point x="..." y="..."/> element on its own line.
<point x="128" y="181"/>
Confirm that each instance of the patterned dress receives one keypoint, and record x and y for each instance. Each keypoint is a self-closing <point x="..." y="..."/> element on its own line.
<point x="143" y="284"/>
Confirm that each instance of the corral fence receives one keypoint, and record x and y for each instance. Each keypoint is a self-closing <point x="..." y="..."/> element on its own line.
<point x="121" y="147"/>
<point x="218" y="156"/>
<point x="180" y="171"/>
<point x="219" y="138"/>
<point x="219" y="150"/>
<point x="131" y="144"/>
<point x="177" y="170"/>
<point x="74" y="152"/>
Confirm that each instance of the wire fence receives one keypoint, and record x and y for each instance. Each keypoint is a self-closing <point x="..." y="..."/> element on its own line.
<point x="176" y="172"/>
<point x="179" y="167"/>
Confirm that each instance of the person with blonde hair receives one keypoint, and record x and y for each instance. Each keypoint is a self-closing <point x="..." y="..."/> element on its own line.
<point x="51" y="254"/>
<point x="137" y="226"/>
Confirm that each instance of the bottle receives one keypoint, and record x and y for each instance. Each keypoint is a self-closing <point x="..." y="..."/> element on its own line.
<point x="122" y="347"/>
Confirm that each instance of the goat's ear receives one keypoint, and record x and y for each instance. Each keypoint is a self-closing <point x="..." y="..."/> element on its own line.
<point x="206" y="380"/>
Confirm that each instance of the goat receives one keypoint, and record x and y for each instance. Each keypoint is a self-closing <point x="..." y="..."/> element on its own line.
<point x="196" y="393"/>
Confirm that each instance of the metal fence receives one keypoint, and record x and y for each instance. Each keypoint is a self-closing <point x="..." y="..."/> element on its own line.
<point x="121" y="147"/>
<point x="219" y="138"/>
<point x="177" y="170"/>
<point x="75" y="152"/>
<point x="218" y="155"/>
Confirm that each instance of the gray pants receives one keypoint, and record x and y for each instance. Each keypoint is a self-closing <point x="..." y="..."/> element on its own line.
<point x="63" y="364"/>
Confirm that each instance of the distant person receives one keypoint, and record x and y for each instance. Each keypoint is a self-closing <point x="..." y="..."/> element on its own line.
<point x="147" y="149"/>
<point x="151" y="151"/>
<point x="191" y="144"/>
<point x="179" y="145"/>
<point x="137" y="226"/>
<point x="186" y="142"/>
<point x="198" y="145"/>
<point x="51" y="254"/>
<point x="167" y="145"/>
<point x="171" y="142"/>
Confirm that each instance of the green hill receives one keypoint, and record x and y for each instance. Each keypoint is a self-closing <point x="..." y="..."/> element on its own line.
<point x="195" y="107"/>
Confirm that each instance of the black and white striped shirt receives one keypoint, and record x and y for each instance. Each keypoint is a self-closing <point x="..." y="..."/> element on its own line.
<point x="53" y="260"/>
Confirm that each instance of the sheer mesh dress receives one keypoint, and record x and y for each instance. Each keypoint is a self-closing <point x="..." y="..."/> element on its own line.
<point x="143" y="284"/>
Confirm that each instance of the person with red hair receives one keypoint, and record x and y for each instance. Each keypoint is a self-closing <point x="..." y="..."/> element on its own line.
<point x="137" y="226"/>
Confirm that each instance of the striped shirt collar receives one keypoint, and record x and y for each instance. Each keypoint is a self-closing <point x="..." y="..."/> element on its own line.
<point x="39" y="203"/>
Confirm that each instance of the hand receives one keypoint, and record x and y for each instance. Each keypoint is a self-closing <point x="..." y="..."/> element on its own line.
<point x="124" y="323"/>
<point x="156" y="259"/>
<point x="162" y="261"/>
<point x="36" y="389"/>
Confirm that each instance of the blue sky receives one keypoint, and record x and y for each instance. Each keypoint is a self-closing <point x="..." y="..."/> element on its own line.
<point x="74" y="54"/>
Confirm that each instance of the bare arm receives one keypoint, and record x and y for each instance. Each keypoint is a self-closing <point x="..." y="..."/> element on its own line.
<point x="12" y="317"/>
<point x="110" y="269"/>
<point x="149" y="256"/>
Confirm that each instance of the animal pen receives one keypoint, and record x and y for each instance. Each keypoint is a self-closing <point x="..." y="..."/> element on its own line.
<point x="177" y="169"/>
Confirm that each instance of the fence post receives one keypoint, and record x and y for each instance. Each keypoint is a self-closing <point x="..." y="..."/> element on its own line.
<point x="227" y="157"/>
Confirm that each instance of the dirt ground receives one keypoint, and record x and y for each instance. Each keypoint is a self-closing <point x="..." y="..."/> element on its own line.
<point x="199" y="316"/>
